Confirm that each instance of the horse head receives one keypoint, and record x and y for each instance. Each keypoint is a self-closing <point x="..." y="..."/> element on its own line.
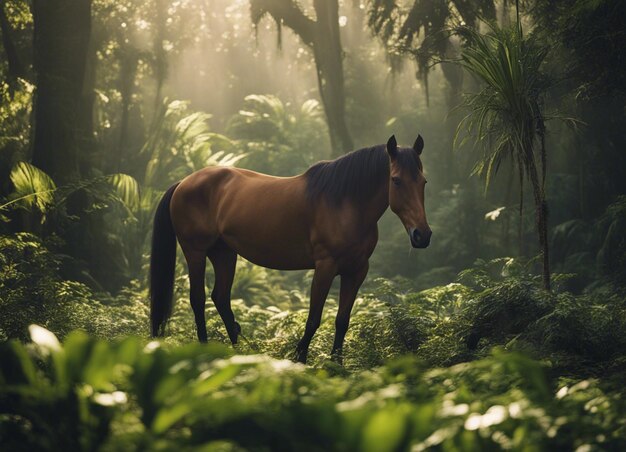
<point x="406" y="190"/>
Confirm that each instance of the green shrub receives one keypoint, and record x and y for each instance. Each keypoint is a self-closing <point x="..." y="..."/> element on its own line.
<point x="32" y="290"/>
<point x="88" y="394"/>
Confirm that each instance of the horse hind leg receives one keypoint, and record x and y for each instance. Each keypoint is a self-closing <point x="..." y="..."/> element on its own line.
<point x="224" y="261"/>
<point x="196" y="264"/>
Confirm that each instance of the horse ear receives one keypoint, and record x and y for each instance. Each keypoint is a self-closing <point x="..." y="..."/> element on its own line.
<point x="419" y="145"/>
<point x="392" y="147"/>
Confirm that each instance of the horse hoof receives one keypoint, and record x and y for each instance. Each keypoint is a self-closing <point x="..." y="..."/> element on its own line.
<point x="234" y="335"/>
<point x="300" y="356"/>
<point x="337" y="358"/>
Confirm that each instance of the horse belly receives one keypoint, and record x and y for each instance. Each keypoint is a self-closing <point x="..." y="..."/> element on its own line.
<point x="271" y="234"/>
<point x="277" y="251"/>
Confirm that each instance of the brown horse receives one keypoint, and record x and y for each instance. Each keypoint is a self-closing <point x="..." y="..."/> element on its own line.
<point x="325" y="219"/>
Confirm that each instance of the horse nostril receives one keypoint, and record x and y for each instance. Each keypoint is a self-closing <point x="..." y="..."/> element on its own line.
<point x="416" y="236"/>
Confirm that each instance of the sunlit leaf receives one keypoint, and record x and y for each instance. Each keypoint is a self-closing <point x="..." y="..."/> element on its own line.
<point x="126" y="188"/>
<point x="44" y="338"/>
<point x="33" y="187"/>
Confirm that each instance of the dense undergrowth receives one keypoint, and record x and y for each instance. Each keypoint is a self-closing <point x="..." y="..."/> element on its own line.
<point x="489" y="361"/>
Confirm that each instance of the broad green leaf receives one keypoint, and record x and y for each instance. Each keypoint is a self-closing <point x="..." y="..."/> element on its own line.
<point x="33" y="187"/>
<point x="385" y="430"/>
<point x="126" y="188"/>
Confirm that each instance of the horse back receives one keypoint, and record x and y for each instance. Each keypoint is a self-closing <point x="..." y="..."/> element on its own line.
<point x="264" y="218"/>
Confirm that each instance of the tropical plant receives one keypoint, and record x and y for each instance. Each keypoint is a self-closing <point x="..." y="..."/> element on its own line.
<point x="33" y="189"/>
<point x="507" y="118"/>
<point x="32" y="290"/>
<point x="421" y="30"/>
<point x="180" y="143"/>
<point x="87" y="393"/>
<point x="15" y="110"/>
<point x="38" y="205"/>
<point x="279" y="138"/>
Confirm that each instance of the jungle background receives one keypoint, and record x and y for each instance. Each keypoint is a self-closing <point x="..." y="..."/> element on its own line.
<point x="508" y="332"/>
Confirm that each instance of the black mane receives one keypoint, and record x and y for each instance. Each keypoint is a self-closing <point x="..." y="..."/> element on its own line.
<point x="355" y="176"/>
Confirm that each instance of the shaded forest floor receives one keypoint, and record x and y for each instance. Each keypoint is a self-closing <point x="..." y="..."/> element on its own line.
<point x="489" y="361"/>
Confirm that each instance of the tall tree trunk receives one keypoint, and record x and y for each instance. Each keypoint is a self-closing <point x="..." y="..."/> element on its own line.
<point x="160" y="57"/>
<point x="322" y="36"/>
<point x="329" y="63"/>
<point x="129" y="60"/>
<point x="520" y="165"/>
<point x="506" y="224"/>
<point x="86" y="139"/>
<point x="61" y="40"/>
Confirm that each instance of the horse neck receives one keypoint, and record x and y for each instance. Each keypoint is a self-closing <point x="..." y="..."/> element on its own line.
<point x="378" y="204"/>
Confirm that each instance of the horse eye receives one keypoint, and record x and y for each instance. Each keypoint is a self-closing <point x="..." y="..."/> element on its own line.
<point x="396" y="180"/>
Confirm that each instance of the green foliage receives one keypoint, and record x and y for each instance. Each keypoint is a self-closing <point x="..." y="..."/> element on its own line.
<point x="409" y="378"/>
<point x="588" y="38"/>
<point x="31" y="290"/>
<point x="38" y="206"/>
<point x="595" y="251"/>
<point x="15" y="108"/>
<point x="180" y="143"/>
<point x="506" y="115"/>
<point x="279" y="138"/>
<point x="420" y="29"/>
<point x="33" y="188"/>
<point x="611" y="258"/>
<point x="125" y="395"/>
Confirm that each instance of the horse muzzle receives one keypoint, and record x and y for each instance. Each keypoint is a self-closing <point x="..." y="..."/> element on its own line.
<point x="420" y="239"/>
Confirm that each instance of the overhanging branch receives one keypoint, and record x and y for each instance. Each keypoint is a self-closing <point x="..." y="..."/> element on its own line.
<point x="285" y="12"/>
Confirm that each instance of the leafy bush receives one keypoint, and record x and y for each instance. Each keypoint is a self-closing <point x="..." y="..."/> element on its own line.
<point x="280" y="139"/>
<point x="31" y="290"/>
<point x="391" y="393"/>
<point x="595" y="251"/>
<point x="88" y="394"/>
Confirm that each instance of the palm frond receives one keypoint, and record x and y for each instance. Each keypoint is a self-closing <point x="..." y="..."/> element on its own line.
<point x="33" y="187"/>
<point x="505" y="115"/>
<point x="126" y="189"/>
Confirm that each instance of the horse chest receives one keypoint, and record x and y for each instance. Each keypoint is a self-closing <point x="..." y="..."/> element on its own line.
<point x="349" y="248"/>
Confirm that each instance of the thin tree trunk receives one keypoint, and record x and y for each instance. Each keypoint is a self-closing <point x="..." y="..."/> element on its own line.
<point x="582" y="165"/>
<point x="521" y="208"/>
<point x="86" y="138"/>
<point x="128" y="64"/>
<point x="541" y="217"/>
<point x="160" y="57"/>
<point x="506" y="224"/>
<point x="61" y="40"/>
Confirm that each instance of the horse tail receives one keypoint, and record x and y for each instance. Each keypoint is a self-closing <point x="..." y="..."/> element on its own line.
<point x="162" y="264"/>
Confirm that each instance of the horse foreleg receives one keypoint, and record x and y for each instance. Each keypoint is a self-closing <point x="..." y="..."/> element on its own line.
<point x="196" y="264"/>
<point x="325" y="272"/>
<point x="224" y="261"/>
<point x="350" y="284"/>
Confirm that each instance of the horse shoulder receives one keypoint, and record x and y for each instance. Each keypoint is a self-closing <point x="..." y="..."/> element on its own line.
<point x="342" y="232"/>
